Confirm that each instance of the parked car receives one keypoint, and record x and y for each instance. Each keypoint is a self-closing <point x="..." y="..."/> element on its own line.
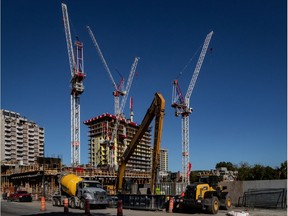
<point x="20" y="196"/>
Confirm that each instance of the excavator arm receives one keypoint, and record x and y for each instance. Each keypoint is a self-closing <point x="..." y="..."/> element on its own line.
<point x="156" y="110"/>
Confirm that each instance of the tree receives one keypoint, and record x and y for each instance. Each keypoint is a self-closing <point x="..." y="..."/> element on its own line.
<point x="270" y="173"/>
<point x="283" y="170"/>
<point x="244" y="172"/>
<point x="228" y="165"/>
<point x="258" y="172"/>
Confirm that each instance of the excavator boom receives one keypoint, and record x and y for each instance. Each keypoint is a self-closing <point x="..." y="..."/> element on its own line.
<point x="156" y="110"/>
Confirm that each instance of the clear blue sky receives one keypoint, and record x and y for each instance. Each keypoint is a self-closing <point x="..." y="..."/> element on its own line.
<point x="240" y="98"/>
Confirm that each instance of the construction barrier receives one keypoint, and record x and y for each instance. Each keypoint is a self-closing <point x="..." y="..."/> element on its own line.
<point x="65" y="202"/>
<point x="143" y="202"/>
<point x="171" y="204"/>
<point x="119" y="208"/>
<point x="43" y="204"/>
<point x="87" y="207"/>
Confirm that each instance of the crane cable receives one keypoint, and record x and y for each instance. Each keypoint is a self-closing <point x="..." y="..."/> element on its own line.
<point x="188" y="63"/>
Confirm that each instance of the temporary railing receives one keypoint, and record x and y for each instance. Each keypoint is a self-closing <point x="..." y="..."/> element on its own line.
<point x="264" y="198"/>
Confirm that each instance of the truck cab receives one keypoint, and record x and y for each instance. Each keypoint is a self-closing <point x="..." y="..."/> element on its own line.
<point x="91" y="191"/>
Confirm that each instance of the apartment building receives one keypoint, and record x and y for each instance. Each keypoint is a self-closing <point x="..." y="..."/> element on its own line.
<point x="100" y="130"/>
<point x="22" y="140"/>
<point x="164" y="160"/>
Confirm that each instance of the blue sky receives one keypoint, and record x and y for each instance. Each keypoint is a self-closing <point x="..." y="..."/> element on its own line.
<point x="239" y="100"/>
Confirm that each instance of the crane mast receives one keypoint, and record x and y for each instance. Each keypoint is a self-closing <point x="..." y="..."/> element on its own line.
<point x="131" y="109"/>
<point x="121" y="110"/>
<point x="77" y="87"/>
<point x="181" y="105"/>
<point x="117" y="89"/>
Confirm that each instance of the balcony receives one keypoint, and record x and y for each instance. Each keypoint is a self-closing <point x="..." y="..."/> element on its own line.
<point x="7" y="143"/>
<point x="8" y="134"/>
<point x="8" y="148"/>
<point x="7" y="153"/>
<point x="7" y="130"/>
<point x="19" y="142"/>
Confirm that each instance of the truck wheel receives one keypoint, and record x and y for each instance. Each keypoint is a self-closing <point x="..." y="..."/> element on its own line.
<point x="82" y="204"/>
<point x="227" y="203"/>
<point x="214" y="207"/>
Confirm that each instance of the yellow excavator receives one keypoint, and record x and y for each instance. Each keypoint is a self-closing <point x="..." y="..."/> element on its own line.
<point x="156" y="110"/>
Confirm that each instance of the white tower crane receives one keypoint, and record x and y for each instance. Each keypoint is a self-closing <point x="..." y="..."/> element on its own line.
<point x="182" y="107"/>
<point x="117" y="92"/>
<point x="117" y="89"/>
<point x="77" y="88"/>
<point x="121" y="110"/>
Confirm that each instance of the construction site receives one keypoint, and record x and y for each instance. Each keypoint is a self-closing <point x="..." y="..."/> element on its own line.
<point x="124" y="157"/>
<point x="114" y="140"/>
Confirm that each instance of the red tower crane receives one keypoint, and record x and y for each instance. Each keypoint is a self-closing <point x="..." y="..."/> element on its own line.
<point x="181" y="105"/>
<point x="117" y="89"/>
<point x="116" y="93"/>
<point x="77" y="88"/>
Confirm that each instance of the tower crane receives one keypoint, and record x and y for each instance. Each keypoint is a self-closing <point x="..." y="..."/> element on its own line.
<point x="181" y="105"/>
<point x="121" y="110"/>
<point x="117" y="89"/>
<point x="117" y="92"/>
<point x="131" y="109"/>
<point x="77" y="87"/>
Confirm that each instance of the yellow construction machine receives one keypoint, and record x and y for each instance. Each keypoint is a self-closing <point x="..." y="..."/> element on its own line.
<point x="156" y="110"/>
<point x="205" y="194"/>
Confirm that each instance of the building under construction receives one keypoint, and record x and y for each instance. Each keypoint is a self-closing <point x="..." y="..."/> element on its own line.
<point x="33" y="177"/>
<point x="100" y="131"/>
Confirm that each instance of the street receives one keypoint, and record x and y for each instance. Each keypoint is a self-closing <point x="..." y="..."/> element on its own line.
<point x="33" y="209"/>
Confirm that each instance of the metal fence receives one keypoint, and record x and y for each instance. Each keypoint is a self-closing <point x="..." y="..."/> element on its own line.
<point x="171" y="188"/>
<point x="264" y="198"/>
<point x="144" y="202"/>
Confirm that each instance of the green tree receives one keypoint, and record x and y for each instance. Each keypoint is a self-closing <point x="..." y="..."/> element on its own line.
<point x="270" y="173"/>
<point x="244" y="172"/>
<point x="193" y="176"/>
<point x="258" y="172"/>
<point x="228" y="165"/>
<point x="283" y="170"/>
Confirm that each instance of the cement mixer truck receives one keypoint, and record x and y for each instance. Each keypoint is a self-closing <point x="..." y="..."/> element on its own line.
<point x="78" y="190"/>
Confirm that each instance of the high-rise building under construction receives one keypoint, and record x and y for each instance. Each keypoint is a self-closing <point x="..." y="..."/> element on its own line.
<point x="100" y="130"/>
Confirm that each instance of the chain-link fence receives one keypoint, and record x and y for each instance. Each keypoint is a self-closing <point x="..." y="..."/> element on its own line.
<point x="264" y="198"/>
